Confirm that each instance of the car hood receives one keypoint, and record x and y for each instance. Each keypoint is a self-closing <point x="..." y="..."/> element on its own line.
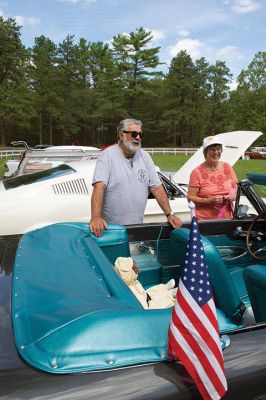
<point x="234" y="146"/>
<point x="2" y="188"/>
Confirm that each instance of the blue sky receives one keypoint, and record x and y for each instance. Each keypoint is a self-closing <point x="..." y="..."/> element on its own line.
<point x="229" y="30"/>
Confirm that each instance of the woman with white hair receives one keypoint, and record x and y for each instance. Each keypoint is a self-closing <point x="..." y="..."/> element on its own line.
<point x="213" y="184"/>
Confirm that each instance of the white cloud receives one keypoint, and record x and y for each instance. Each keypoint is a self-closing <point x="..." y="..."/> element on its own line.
<point x="207" y="49"/>
<point x="1" y="13"/>
<point x="157" y="35"/>
<point x="26" y="20"/>
<point x="229" y="53"/>
<point x="88" y="2"/>
<point x="233" y="84"/>
<point x="192" y="46"/>
<point x="183" y="32"/>
<point x="245" y="6"/>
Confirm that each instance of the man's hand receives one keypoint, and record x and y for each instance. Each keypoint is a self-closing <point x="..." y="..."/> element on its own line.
<point x="174" y="221"/>
<point x="163" y="201"/>
<point x="97" y="226"/>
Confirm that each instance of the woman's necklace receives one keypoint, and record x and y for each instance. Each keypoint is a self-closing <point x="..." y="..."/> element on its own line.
<point x="212" y="168"/>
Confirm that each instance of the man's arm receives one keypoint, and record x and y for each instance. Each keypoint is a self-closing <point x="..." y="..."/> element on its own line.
<point x="163" y="201"/>
<point x="97" y="223"/>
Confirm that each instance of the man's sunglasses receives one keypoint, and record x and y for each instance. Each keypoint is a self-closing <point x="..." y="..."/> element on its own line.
<point x="135" y="134"/>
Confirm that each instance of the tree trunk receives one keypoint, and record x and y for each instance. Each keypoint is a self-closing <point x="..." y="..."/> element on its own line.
<point x="40" y="129"/>
<point x="3" y="136"/>
<point x="213" y="122"/>
<point x="50" y="130"/>
<point x="174" y="133"/>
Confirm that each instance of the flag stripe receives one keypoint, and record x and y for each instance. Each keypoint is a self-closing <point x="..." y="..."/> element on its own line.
<point x="188" y="365"/>
<point x="207" y="345"/>
<point x="211" y="314"/>
<point x="193" y="331"/>
<point x="193" y="365"/>
<point x="207" y="359"/>
<point x="196" y="313"/>
<point x="206" y="355"/>
<point x="198" y="310"/>
<point x="201" y="325"/>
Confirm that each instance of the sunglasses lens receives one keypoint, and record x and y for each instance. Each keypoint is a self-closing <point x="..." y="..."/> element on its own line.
<point x="135" y="134"/>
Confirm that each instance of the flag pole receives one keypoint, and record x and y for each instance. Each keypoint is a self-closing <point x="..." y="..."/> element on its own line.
<point x="191" y="205"/>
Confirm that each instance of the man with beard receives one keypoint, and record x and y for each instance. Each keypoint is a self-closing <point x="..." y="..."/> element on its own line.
<point x="123" y="177"/>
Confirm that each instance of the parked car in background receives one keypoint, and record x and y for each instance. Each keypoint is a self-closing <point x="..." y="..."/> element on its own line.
<point x="256" y="153"/>
<point x="41" y="158"/>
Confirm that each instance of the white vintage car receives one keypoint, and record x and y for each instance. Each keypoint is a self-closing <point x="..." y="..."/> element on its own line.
<point x="37" y="159"/>
<point x="62" y="194"/>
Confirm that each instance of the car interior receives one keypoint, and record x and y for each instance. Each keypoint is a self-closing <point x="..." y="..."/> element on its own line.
<point x="85" y="318"/>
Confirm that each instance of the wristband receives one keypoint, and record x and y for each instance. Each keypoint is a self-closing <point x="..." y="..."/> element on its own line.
<point x="170" y="213"/>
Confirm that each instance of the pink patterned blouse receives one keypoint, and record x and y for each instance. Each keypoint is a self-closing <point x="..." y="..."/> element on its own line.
<point x="214" y="183"/>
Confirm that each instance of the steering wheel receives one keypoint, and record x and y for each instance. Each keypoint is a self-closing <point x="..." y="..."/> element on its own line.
<point x="254" y="253"/>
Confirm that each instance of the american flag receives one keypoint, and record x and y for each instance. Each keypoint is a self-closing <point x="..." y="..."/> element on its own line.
<point x="193" y="333"/>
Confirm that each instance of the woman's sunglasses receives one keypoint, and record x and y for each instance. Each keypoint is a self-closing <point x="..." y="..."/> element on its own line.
<point x="135" y="134"/>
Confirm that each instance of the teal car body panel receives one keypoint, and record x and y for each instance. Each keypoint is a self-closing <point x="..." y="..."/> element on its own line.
<point x="73" y="313"/>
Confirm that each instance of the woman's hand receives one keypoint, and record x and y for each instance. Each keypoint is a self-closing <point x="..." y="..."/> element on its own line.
<point x="216" y="199"/>
<point x="229" y="198"/>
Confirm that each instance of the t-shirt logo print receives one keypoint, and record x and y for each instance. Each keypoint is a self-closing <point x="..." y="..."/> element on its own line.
<point x="142" y="175"/>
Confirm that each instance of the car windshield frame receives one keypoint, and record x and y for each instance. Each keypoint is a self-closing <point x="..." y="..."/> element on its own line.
<point x="39" y="176"/>
<point x="259" y="185"/>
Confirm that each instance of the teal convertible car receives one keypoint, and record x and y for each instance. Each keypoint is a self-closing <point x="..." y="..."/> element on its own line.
<point x="70" y="328"/>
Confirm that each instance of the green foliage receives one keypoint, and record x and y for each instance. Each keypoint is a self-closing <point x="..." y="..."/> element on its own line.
<point x="218" y="80"/>
<point x="11" y="50"/>
<point x="43" y="76"/>
<point x="13" y="83"/>
<point x="248" y="101"/>
<point x="186" y="112"/>
<point x="136" y="61"/>
<point x="78" y="92"/>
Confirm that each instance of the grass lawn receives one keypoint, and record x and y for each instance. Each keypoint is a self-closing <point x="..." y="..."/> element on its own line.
<point x="2" y="161"/>
<point x="172" y="162"/>
<point x="242" y="167"/>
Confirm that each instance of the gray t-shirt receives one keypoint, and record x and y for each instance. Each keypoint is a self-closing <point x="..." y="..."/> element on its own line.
<point x="127" y="184"/>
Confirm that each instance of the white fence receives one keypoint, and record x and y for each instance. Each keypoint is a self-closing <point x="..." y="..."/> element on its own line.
<point x="176" y="151"/>
<point x="152" y="150"/>
<point x="11" y="153"/>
